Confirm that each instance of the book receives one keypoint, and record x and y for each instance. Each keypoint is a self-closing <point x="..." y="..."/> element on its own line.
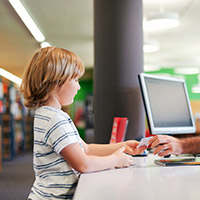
<point x="119" y="129"/>
<point x="177" y="162"/>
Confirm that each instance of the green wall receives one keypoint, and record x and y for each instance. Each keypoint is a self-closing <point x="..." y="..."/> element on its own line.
<point x="86" y="88"/>
<point x="190" y="80"/>
<point x="79" y="101"/>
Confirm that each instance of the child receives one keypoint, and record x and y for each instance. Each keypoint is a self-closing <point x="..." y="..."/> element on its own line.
<point x="51" y="81"/>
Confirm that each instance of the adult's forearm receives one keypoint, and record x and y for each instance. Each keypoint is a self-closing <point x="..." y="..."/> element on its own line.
<point x="190" y="145"/>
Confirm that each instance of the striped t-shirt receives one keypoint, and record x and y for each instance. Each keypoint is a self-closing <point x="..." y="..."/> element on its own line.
<point x="55" y="178"/>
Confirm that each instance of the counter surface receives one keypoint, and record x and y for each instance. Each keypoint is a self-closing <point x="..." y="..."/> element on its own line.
<point x="142" y="181"/>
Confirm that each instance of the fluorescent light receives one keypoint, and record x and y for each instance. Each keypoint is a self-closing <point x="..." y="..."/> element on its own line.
<point x="187" y="70"/>
<point x="44" y="44"/>
<point x="196" y="88"/>
<point x="160" y="21"/>
<point x="150" y="68"/>
<point x="151" y="46"/>
<point x="10" y="76"/>
<point x="28" y="21"/>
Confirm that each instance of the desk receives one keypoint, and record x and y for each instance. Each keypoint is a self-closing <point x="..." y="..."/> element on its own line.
<point x="142" y="181"/>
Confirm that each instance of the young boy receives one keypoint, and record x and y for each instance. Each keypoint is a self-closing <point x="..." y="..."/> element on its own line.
<point x="50" y="81"/>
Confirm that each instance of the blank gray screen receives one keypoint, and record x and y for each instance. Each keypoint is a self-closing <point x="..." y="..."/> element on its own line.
<point x="168" y="103"/>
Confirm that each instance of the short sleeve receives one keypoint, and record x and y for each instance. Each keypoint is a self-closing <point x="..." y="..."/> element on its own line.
<point x="61" y="133"/>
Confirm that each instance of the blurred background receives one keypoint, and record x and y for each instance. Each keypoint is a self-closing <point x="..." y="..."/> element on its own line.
<point x="171" y="50"/>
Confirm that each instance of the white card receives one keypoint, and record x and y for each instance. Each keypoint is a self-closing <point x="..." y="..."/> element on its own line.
<point x="144" y="141"/>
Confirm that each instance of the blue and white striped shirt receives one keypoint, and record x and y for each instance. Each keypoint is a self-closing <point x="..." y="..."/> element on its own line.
<point x="55" y="178"/>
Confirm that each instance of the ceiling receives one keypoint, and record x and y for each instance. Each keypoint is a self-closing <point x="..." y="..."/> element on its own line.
<point x="69" y="24"/>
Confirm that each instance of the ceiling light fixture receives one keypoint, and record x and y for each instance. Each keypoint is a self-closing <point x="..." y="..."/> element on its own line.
<point x="10" y="76"/>
<point x="150" y="68"/>
<point x="161" y="20"/>
<point x="28" y="21"/>
<point x="196" y="87"/>
<point x="151" y="46"/>
<point x="187" y="70"/>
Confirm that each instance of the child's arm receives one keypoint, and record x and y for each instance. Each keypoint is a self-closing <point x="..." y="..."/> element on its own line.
<point x="107" y="149"/>
<point x="83" y="162"/>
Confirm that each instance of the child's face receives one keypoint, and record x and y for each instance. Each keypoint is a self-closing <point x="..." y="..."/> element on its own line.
<point x="65" y="95"/>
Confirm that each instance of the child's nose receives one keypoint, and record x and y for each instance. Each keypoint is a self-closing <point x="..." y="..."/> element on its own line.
<point x="79" y="87"/>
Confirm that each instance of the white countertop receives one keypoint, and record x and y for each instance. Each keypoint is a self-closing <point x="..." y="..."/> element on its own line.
<point x="144" y="180"/>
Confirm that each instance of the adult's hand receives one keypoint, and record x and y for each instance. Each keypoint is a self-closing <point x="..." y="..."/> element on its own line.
<point x="164" y="145"/>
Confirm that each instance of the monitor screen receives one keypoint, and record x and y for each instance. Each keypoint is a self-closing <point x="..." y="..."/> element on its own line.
<point x="167" y="105"/>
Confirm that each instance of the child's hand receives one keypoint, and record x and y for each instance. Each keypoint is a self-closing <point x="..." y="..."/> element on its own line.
<point x="123" y="160"/>
<point x="131" y="147"/>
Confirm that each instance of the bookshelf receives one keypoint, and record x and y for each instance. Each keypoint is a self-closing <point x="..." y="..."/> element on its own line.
<point x="28" y="129"/>
<point x="16" y="122"/>
<point x="0" y="151"/>
<point x="7" y="136"/>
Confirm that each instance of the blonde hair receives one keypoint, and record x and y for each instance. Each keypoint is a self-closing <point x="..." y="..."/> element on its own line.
<point x="48" y="70"/>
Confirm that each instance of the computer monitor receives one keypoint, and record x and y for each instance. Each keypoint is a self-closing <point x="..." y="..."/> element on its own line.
<point x="167" y="105"/>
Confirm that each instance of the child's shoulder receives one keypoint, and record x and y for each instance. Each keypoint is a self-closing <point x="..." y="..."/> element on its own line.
<point x="51" y="113"/>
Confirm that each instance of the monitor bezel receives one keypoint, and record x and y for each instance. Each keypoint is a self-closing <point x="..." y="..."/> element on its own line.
<point x="164" y="130"/>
